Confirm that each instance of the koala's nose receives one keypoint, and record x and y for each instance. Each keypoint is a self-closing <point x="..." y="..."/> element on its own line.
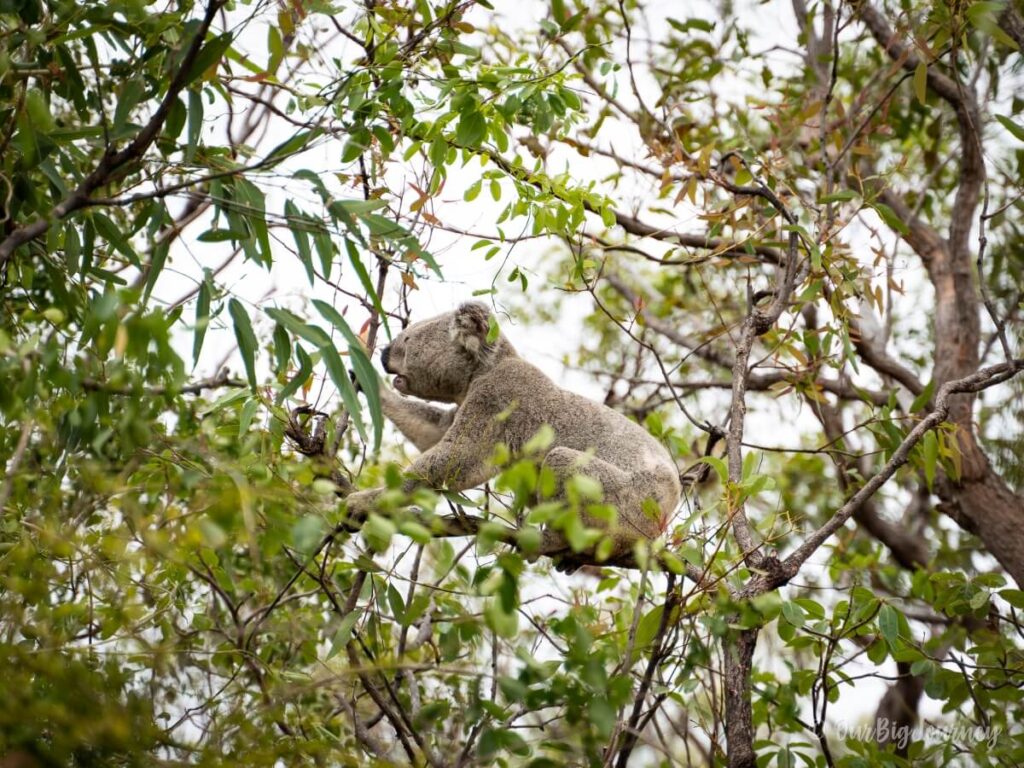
<point x="385" y="354"/>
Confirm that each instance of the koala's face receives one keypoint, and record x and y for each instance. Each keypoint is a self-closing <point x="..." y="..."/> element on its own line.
<point x="436" y="359"/>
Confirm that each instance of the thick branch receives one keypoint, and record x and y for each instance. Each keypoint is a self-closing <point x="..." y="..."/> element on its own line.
<point x="897" y="711"/>
<point x="956" y="320"/>
<point x="739" y="648"/>
<point x="757" y="322"/>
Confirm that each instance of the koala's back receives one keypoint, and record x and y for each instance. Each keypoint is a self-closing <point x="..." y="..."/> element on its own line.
<point x="527" y="399"/>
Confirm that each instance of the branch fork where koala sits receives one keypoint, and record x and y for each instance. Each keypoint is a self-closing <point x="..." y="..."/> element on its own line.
<point x="314" y="443"/>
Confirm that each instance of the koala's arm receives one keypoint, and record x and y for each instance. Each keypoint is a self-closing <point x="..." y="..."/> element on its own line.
<point x="422" y="424"/>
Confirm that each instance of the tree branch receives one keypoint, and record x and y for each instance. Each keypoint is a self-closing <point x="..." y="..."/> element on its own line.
<point x="113" y="160"/>
<point x="982" y="379"/>
<point x="214" y="382"/>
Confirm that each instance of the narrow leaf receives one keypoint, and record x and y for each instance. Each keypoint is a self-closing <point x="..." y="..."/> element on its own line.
<point x="300" y="378"/>
<point x="311" y="333"/>
<point x="246" y="339"/>
<point x="336" y="370"/>
<point x="202" y="318"/>
<point x="1014" y="128"/>
<point x="930" y="450"/>
<point x="297" y="224"/>
<point x="361" y="365"/>
<point x="921" y="81"/>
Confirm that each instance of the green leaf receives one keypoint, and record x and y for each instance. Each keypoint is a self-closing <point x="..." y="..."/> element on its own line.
<point x="793" y="613"/>
<point x="602" y="715"/>
<point x="246" y="415"/>
<point x="208" y="56"/>
<point x="246" y="339"/>
<point x="382" y="226"/>
<point x="222" y="235"/>
<point x="344" y="633"/>
<point x="889" y="624"/>
<point x="930" y="451"/>
<point x="111" y="232"/>
<point x="307" y="532"/>
<point x="812" y="608"/>
<point x="415" y="531"/>
<point x="202" y="318"/>
<point x="361" y="365"/>
<point x="325" y="250"/>
<point x="1014" y="128"/>
<point x="336" y="370"/>
<point x="1014" y="597"/>
<point x="504" y="623"/>
<point x="888" y="215"/>
<point x="357" y="207"/>
<point x="397" y="604"/>
<point x="157" y="259"/>
<point x="921" y="81"/>
<point x="540" y="441"/>
<point x="127" y="100"/>
<point x="255" y="212"/>
<point x="922" y="400"/>
<point x="282" y="348"/>
<point x="704" y="25"/>
<point x="195" y="124"/>
<point x="311" y="333"/>
<point x="841" y="196"/>
<point x="300" y="378"/>
<point x="647" y="627"/>
<point x="471" y="129"/>
<point x="298" y="226"/>
<point x="878" y="652"/>
<point x="377" y="531"/>
<point x="364" y="280"/>
<point x="719" y="466"/>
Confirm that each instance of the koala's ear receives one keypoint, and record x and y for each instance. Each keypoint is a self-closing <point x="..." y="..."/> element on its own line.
<point x="469" y="328"/>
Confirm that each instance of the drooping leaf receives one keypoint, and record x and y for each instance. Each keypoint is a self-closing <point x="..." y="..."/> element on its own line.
<point x="246" y="339"/>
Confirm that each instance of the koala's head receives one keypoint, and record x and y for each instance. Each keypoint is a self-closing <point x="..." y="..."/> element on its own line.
<point x="437" y="359"/>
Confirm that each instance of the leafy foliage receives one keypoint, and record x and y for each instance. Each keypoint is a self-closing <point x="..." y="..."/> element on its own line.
<point x="212" y="214"/>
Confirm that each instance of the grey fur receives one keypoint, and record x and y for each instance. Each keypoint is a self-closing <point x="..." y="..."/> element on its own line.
<point x="499" y="397"/>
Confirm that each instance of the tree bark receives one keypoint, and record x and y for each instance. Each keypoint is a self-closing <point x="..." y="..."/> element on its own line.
<point x="739" y="724"/>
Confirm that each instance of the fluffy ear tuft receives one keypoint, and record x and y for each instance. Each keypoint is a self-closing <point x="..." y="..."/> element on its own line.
<point x="469" y="328"/>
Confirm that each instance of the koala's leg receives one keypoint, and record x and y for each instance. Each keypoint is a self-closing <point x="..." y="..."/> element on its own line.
<point x="450" y="464"/>
<point x="423" y="425"/>
<point x="455" y="464"/>
<point x="620" y="490"/>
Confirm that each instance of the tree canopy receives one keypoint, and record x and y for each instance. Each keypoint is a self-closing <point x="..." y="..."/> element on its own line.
<point x="784" y="237"/>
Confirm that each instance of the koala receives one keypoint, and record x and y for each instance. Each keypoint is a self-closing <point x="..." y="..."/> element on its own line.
<point x="500" y="398"/>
